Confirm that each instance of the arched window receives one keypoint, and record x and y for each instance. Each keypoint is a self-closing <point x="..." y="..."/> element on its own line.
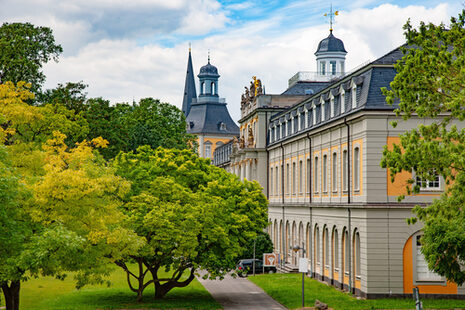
<point x="356" y="169"/>
<point x="208" y="149"/>
<point x="317" y="245"/>
<point x="354" y="96"/>
<point x="345" y="253"/>
<point x="213" y="87"/>
<point x="335" y="250"/>
<point x="356" y="247"/>
<point x="326" y="247"/>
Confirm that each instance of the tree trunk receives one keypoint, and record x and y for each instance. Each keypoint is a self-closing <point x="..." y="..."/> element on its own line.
<point x="11" y="294"/>
<point x="162" y="289"/>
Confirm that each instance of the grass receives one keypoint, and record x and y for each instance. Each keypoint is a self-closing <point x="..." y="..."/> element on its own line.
<point x="47" y="293"/>
<point x="287" y="289"/>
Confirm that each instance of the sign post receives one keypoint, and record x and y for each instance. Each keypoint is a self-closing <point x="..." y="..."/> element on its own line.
<point x="303" y="268"/>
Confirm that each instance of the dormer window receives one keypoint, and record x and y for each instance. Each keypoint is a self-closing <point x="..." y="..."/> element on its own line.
<point x="354" y="96"/>
<point x="332" y="106"/>
<point x="343" y="101"/>
<point x="222" y="126"/>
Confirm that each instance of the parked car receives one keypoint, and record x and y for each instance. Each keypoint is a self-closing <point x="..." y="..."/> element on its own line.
<point x="245" y="267"/>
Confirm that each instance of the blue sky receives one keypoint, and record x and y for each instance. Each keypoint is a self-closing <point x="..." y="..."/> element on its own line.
<point x="132" y="49"/>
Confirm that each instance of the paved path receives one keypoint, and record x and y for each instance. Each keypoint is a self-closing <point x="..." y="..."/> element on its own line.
<point x="240" y="294"/>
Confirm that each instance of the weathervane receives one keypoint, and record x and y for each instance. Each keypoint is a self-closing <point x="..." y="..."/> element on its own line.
<point x="208" y="55"/>
<point x="190" y="47"/>
<point x="331" y="15"/>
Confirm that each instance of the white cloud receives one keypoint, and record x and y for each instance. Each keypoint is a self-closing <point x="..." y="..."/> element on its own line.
<point x="116" y="67"/>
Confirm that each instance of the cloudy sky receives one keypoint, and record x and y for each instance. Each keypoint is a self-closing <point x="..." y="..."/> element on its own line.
<point x="130" y="49"/>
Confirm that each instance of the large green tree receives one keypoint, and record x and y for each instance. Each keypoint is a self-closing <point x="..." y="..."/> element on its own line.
<point x="430" y="84"/>
<point x="192" y="215"/>
<point x="24" y="48"/>
<point x="58" y="205"/>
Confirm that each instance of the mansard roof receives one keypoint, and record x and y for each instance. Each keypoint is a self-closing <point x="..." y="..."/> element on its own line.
<point x="367" y="80"/>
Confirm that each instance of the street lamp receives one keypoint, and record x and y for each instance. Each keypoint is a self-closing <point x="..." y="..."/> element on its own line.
<point x="302" y="267"/>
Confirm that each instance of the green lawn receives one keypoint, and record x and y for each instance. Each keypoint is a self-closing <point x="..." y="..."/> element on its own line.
<point x="51" y="294"/>
<point x="287" y="289"/>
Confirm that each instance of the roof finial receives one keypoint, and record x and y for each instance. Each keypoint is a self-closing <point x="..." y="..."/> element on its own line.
<point x="190" y="47"/>
<point x="208" y="55"/>
<point x="331" y="15"/>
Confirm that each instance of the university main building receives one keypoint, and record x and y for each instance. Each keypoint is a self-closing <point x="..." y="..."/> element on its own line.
<point x="316" y="151"/>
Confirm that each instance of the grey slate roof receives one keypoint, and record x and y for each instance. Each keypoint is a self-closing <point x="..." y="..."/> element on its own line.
<point x="189" y="87"/>
<point x="206" y="118"/>
<point x="369" y="80"/>
<point x="302" y="87"/>
<point x="330" y="44"/>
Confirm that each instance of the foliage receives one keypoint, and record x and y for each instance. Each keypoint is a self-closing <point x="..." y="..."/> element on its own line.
<point x="60" y="205"/>
<point x="263" y="244"/>
<point x="24" y="48"/>
<point x="430" y="85"/>
<point x="287" y="290"/>
<point x="155" y="123"/>
<point x="71" y="95"/>
<point x="191" y="214"/>
<point x="108" y="122"/>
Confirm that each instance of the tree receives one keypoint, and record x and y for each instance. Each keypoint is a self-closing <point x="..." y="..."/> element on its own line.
<point x="108" y="122"/>
<point x="263" y="244"/>
<point x="157" y="124"/>
<point x="71" y="95"/>
<point x="24" y="48"/>
<point x="192" y="215"/>
<point x="430" y="85"/>
<point x="58" y="205"/>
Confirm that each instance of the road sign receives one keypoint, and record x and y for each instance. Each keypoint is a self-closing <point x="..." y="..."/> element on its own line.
<point x="270" y="259"/>
<point x="303" y="264"/>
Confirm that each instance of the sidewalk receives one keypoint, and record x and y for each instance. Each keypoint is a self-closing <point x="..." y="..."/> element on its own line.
<point x="240" y="294"/>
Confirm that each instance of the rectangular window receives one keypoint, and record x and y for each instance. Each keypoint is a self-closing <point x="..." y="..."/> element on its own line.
<point x="294" y="175"/>
<point x="426" y="184"/>
<point x="301" y="181"/>
<point x="271" y="182"/>
<point x="354" y="97"/>
<point x="344" y="170"/>
<point x="208" y="151"/>
<point x="315" y="173"/>
<point x="357" y="169"/>
<point x="422" y="270"/>
<point x="307" y="179"/>
<point x="323" y="108"/>
<point x="276" y="184"/>
<point x="325" y="173"/>
<point x="314" y="115"/>
<point x="287" y="180"/>
<point x="332" y="107"/>
<point x="323" y="68"/>
<point x="343" y="102"/>
<point x="334" y="172"/>
<point x="332" y="64"/>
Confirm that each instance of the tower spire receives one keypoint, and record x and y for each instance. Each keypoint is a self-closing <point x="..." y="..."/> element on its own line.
<point x="189" y="86"/>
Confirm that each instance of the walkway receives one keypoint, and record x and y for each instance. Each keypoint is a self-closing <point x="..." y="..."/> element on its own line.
<point x="240" y="294"/>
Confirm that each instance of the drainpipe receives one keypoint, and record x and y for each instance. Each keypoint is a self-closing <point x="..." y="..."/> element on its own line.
<point x="283" y="245"/>
<point x="348" y="201"/>
<point x="310" y="248"/>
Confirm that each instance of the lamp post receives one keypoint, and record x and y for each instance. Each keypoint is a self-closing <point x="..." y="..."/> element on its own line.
<point x="302" y="268"/>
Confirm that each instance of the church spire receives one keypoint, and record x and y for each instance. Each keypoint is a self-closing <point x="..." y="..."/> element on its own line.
<point x="189" y="86"/>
